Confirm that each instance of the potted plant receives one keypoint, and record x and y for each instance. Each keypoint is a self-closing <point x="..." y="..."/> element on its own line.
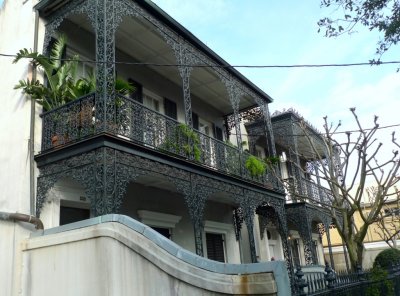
<point x="62" y="86"/>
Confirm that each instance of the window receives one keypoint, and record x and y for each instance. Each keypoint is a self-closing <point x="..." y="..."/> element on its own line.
<point x="153" y="125"/>
<point x="137" y="94"/>
<point x="215" y="235"/>
<point x="84" y="69"/>
<point x="160" y="222"/>
<point x="71" y="214"/>
<point x="315" y="250"/>
<point x="204" y="127"/>
<point x="215" y="246"/>
<point x="170" y="109"/>
<point x="152" y="101"/>
<point x="207" y="147"/>
<point x="294" y="245"/>
<point x="260" y="152"/>
<point x="195" y="119"/>
<point x="218" y="133"/>
<point x="163" y="231"/>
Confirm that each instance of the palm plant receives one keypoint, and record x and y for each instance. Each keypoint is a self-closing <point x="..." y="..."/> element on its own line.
<point x="86" y="85"/>
<point x="60" y="76"/>
<point x="62" y="85"/>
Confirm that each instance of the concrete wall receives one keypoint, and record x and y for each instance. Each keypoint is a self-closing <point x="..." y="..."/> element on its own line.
<point x="17" y="31"/>
<point x="127" y="258"/>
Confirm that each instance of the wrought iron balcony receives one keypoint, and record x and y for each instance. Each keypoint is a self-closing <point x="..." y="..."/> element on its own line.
<point x="139" y="124"/>
<point x="306" y="190"/>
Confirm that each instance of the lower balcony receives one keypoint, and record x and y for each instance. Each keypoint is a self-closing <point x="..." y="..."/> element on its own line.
<point x="136" y="123"/>
<point x="307" y="190"/>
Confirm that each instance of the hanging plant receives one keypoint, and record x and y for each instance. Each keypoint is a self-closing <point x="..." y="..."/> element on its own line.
<point x="255" y="166"/>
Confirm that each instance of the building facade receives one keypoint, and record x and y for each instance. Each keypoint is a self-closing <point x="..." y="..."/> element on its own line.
<point x="170" y="154"/>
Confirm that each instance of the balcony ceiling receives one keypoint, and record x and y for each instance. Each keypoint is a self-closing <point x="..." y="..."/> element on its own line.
<point x="163" y="183"/>
<point x="140" y="40"/>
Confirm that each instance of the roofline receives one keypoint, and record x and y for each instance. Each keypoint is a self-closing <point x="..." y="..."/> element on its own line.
<point x="173" y="24"/>
<point x="294" y="115"/>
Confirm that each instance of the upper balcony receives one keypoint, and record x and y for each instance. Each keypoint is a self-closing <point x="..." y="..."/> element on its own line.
<point x="185" y="94"/>
<point x="140" y="125"/>
<point x="301" y="147"/>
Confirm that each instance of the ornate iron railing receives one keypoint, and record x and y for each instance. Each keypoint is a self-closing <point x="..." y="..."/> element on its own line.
<point x="304" y="189"/>
<point x="69" y="123"/>
<point x="142" y="125"/>
<point x="361" y="282"/>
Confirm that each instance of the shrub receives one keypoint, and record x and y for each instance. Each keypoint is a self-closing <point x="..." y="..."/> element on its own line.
<point x="379" y="283"/>
<point x="387" y="257"/>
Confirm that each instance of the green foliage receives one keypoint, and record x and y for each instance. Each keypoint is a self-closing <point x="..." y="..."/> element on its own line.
<point x="386" y="258"/>
<point x="183" y="139"/>
<point x="380" y="285"/>
<point x="272" y="161"/>
<point x="255" y="166"/>
<point x="379" y="15"/>
<point x="62" y="84"/>
<point x="60" y="76"/>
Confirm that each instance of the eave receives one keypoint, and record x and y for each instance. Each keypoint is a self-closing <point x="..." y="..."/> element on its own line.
<point x="46" y="7"/>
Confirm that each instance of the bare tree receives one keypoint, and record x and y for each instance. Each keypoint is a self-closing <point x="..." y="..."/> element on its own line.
<point x="346" y="166"/>
<point x="388" y="220"/>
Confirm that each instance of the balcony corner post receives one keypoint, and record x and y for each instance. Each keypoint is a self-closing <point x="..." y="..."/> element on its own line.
<point x="105" y="64"/>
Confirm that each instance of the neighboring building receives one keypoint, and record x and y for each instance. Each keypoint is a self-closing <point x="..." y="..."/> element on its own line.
<point x="171" y="155"/>
<point x="377" y="233"/>
<point x="307" y="198"/>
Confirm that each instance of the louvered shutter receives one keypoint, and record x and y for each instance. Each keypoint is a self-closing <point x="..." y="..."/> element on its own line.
<point x="137" y="94"/>
<point x="170" y="109"/>
<point x="215" y="247"/>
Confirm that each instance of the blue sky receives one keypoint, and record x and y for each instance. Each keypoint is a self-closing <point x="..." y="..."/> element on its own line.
<point x="260" y="32"/>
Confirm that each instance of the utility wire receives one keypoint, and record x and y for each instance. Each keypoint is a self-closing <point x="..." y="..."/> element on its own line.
<point x="323" y="134"/>
<point x="221" y="66"/>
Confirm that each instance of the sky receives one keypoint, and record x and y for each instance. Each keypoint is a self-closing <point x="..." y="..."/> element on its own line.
<point x="262" y="32"/>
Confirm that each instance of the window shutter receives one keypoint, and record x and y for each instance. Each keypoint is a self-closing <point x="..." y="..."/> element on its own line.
<point x="137" y="94"/>
<point x="218" y="133"/>
<point x="170" y="109"/>
<point x="195" y="120"/>
<point x="215" y="247"/>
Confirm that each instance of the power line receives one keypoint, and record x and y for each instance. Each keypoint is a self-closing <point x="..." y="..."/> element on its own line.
<point x="223" y="66"/>
<point x="322" y="134"/>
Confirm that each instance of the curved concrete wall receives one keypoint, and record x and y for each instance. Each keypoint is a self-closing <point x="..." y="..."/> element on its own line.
<point x="116" y="255"/>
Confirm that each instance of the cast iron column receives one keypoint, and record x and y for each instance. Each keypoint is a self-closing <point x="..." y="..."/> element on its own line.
<point x="105" y="67"/>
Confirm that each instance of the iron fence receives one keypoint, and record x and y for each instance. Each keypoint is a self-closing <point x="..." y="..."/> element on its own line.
<point x="360" y="282"/>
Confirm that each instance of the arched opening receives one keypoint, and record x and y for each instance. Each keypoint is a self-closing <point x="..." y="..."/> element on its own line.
<point x="270" y="244"/>
<point x="155" y="201"/>
<point x="65" y="203"/>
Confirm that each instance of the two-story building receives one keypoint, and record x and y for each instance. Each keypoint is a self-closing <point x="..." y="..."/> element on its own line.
<point x="161" y="155"/>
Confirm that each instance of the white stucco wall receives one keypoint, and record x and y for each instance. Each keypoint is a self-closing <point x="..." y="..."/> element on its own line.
<point x="17" y="31"/>
<point x="15" y="111"/>
<point x="112" y="259"/>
